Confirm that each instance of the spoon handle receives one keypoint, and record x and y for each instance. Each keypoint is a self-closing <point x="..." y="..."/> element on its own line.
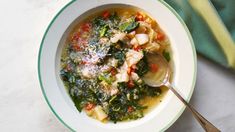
<point x="207" y="126"/>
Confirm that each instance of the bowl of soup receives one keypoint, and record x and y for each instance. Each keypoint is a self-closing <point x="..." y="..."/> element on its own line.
<point x="93" y="58"/>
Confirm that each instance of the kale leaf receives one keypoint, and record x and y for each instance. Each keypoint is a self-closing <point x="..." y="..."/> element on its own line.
<point x="129" y="26"/>
<point x="98" y="22"/>
<point x="117" y="53"/>
<point x="142" y="66"/>
<point x="78" y="103"/>
<point x="120" y="56"/>
<point x="103" y="30"/>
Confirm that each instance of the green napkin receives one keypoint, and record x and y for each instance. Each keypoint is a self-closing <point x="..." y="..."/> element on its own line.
<point x="212" y="25"/>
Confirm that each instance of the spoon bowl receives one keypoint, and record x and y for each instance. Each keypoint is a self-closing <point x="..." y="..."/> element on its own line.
<point x="161" y="75"/>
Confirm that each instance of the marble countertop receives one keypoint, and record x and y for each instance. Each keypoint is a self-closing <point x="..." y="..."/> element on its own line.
<point x="22" y="106"/>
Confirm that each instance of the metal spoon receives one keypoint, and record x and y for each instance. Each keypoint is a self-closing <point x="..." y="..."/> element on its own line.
<point x="162" y="78"/>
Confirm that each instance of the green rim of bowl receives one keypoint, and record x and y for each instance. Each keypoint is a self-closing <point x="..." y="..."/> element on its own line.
<point x="165" y="4"/>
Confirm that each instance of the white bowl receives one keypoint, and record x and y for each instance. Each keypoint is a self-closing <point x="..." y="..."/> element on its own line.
<point x="161" y="117"/>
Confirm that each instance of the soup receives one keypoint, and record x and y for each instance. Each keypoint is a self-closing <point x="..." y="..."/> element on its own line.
<point x="104" y="60"/>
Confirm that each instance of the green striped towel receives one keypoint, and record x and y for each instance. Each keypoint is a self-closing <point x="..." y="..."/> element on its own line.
<point x="212" y="25"/>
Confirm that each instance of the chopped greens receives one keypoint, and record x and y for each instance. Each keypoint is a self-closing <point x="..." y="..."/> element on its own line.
<point x="103" y="30"/>
<point x="166" y="55"/>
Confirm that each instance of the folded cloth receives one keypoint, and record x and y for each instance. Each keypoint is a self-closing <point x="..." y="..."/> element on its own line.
<point x="212" y="25"/>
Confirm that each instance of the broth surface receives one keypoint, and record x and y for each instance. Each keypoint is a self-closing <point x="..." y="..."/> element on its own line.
<point x="103" y="60"/>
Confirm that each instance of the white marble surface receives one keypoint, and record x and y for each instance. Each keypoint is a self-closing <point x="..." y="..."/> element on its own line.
<point x="22" y="106"/>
